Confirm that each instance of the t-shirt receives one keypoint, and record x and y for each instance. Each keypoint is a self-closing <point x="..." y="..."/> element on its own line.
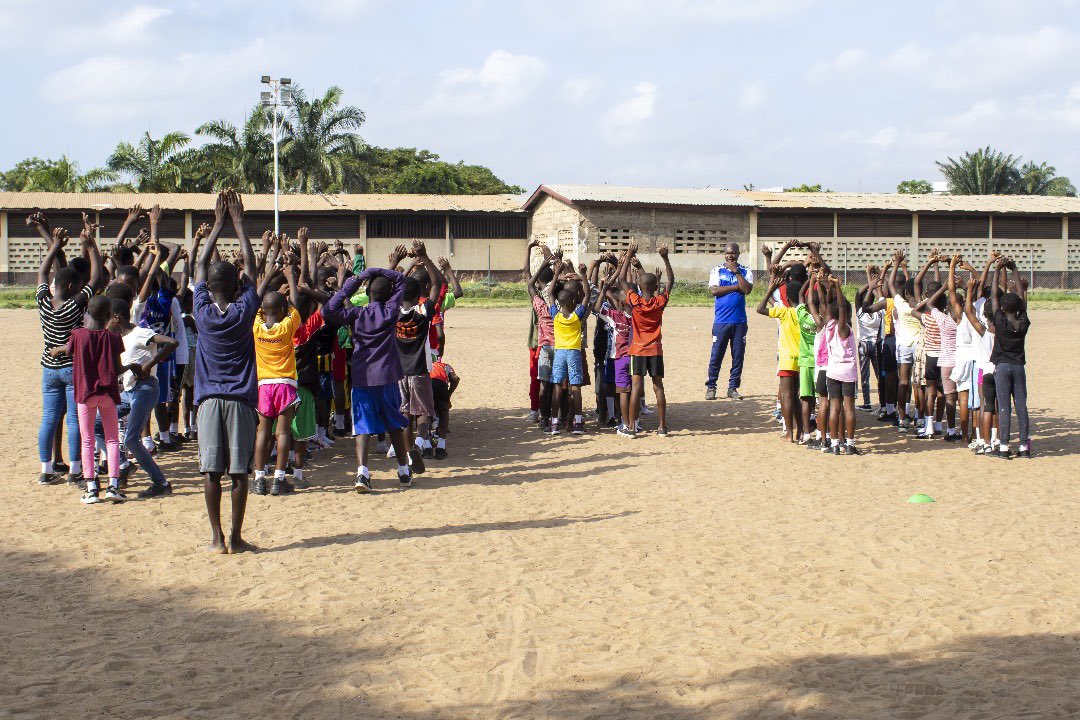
<point x="618" y="323"/>
<point x="225" y="355"/>
<point x="157" y="313"/>
<point x="1009" y="340"/>
<point x="787" y="342"/>
<point x="274" y="353"/>
<point x="730" y="308"/>
<point x="908" y="327"/>
<point x="946" y="328"/>
<point x="138" y="348"/>
<point x="306" y="347"/>
<point x="567" y="329"/>
<point x="646" y="318"/>
<point x="931" y="335"/>
<point x="441" y="371"/>
<point x="57" y="324"/>
<point x="375" y="359"/>
<point x="890" y="305"/>
<point x="412" y="338"/>
<point x="543" y="322"/>
<point x="869" y="325"/>
<point x="94" y="367"/>
<point x="807" y="336"/>
<point x="841" y="352"/>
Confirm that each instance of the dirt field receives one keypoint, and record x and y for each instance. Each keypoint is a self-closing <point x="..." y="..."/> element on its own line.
<point x="718" y="573"/>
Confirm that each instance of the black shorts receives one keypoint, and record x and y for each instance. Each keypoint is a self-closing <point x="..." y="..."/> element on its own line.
<point x="820" y="385"/>
<point x="888" y="356"/>
<point x="932" y="372"/>
<point x="839" y="389"/>
<point x="988" y="392"/>
<point x="651" y="365"/>
<point x="440" y="391"/>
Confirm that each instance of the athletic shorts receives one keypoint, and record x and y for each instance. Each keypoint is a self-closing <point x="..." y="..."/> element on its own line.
<point x="165" y="371"/>
<point x="567" y="366"/>
<point x="905" y="354"/>
<point x="806" y="381"/>
<point x="189" y="375"/>
<point x="609" y="371"/>
<point x="622" y="374"/>
<point x="839" y="388"/>
<point x="440" y="391"/>
<point x="932" y="372"/>
<point x="966" y="378"/>
<point x="787" y="373"/>
<point x="303" y="424"/>
<point x="888" y="355"/>
<point x="651" y="365"/>
<point x="544" y="362"/>
<point x="989" y="391"/>
<point x="820" y="385"/>
<point x="226" y="436"/>
<point x="377" y="409"/>
<point x="918" y="367"/>
<point x="948" y="385"/>
<point x="326" y="386"/>
<point x="340" y="365"/>
<point x="417" y="399"/>
<point x="276" y="398"/>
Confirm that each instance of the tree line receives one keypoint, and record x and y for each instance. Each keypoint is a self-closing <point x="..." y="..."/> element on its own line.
<point x="320" y="151"/>
<point x="990" y="172"/>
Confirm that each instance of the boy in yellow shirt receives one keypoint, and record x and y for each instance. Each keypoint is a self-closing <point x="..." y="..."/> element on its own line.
<point x="275" y="358"/>
<point x="567" y="315"/>
<point x="787" y="349"/>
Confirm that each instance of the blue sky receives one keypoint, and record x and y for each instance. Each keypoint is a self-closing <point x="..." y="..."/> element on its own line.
<point x="687" y="93"/>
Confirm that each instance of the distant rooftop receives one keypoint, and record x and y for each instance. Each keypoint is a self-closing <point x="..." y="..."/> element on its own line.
<point x="1044" y="204"/>
<point x="629" y="194"/>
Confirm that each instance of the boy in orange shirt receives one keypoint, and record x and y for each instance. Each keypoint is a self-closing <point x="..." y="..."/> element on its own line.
<point x="646" y="351"/>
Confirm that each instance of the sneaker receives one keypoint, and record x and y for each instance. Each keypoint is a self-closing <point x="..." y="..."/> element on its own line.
<point x="90" y="498"/>
<point x="416" y="460"/>
<point x="155" y="490"/>
<point x="865" y="407"/>
<point x="852" y="450"/>
<point x="73" y="479"/>
<point x="662" y="432"/>
<point x="533" y="416"/>
<point x="281" y="486"/>
<point x="125" y="473"/>
<point x="881" y="414"/>
<point x="49" y="479"/>
<point x="837" y="450"/>
<point x="553" y="429"/>
<point x="813" y="444"/>
<point x="952" y="437"/>
<point x="404" y="481"/>
<point x="578" y="428"/>
<point x="710" y="393"/>
<point x="612" y="423"/>
<point x="904" y="425"/>
<point x="363" y="484"/>
<point x="114" y="495"/>
<point x="646" y="410"/>
<point x="734" y="394"/>
<point x="544" y="424"/>
<point x="429" y="452"/>
<point x="391" y="453"/>
<point x="61" y="469"/>
<point x="169" y="446"/>
<point x="258" y="486"/>
<point x="440" y="453"/>
<point x="826" y="447"/>
<point x="302" y="483"/>
<point x="1025" y="453"/>
<point x="1004" y="453"/>
<point x="626" y="432"/>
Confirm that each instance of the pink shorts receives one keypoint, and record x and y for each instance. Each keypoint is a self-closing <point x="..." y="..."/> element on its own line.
<point x="276" y="398"/>
<point x="948" y="386"/>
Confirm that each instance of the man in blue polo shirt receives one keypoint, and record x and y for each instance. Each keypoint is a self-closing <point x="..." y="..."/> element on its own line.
<point x="729" y="283"/>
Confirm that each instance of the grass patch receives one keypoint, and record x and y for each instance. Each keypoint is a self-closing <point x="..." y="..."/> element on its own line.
<point x="16" y="297"/>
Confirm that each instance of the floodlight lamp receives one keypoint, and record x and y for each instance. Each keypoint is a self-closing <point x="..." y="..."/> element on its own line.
<point x="264" y="97"/>
<point x="286" y="81"/>
<point x="266" y="79"/>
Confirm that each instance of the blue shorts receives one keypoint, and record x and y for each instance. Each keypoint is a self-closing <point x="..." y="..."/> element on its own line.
<point x="377" y="409"/>
<point x="165" y="370"/>
<point x="567" y="365"/>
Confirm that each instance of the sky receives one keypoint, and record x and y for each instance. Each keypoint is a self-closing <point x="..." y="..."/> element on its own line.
<point x="852" y="94"/>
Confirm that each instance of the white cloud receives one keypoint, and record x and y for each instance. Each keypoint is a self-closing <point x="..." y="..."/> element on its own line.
<point x="752" y="96"/>
<point x="976" y="115"/>
<point x="645" y="13"/>
<point x="884" y="137"/>
<point x="849" y="59"/>
<point x="133" y="24"/>
<point x="575" y="90"/>
<point x="502" y="81"/>
<point x="635" y="109"/>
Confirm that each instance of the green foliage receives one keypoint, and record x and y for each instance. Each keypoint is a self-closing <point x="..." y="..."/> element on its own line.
<point x="915" y="187"/>
<point x="155" y="164"/>
<point x="990" y="172"/>
<point x="807" y="188"/>
<point x="37" y="175"/>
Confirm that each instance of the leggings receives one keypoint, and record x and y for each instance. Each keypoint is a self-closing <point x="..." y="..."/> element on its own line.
<point x="869" y="355"/>
<point x="534" y="382"/>
<point x="1011" y="381"/>
<point x="110" y="425"/>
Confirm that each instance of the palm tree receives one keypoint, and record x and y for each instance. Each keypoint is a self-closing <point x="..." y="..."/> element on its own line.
<point x="240" y="158"/>
<point x="36" y="175"/>
<point x="161" y="165"/>
<point x="321" y="150"/>
<point x="983" y="172"/>
<point x="1042" y="179"/>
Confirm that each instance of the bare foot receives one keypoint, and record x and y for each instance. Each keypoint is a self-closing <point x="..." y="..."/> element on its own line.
<point x="217" y="547"/>
<point x="241" y="545"/>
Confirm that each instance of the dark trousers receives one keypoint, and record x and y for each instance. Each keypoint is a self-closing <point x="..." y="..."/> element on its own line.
<point x="869" y="355"/>
<point x="1010" y="382"/>
<point x="724" y="333"/>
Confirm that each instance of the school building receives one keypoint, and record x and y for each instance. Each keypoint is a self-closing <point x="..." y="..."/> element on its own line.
<point x="490" y="232"/>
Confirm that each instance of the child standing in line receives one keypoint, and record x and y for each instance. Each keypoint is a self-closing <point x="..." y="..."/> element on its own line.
<point x="568" y="316"/>
<point x="787" y="350"/>
<point x="376" y="365"/>
<point x="1011" y="325"/>
<point x="870" y="335"/>
<point x="808" y="330"/>
<point x="646" y="349"/>
<point x="983" y="348"/>
<point x="444" y="382"/>
<point x="545" y="356"/>
<point x="615" y="313"/>
<point x="908" y="331"/>
<point x="842" y="371"/>
<point x="95" y="352"/>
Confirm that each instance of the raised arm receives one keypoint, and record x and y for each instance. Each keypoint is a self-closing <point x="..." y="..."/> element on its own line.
<point x="843" y="323"/>
<point x="202" y="265"/>
<point x="783" y="250"/>
<point x="290" y="277"/>
<point x="969" y="307"/>
<point x="774" y="282"/>
<point x="55" y="248"/>
<point x="557" y="268"/>
<point x="133" y="215"/>
<point x="420" y="251"/>
<point x="932" y="260"/>
<point x="890" y="283"/>
<point x="236" y="214"/>
<point x="448" y="271"/>
<point x="526" y="271"/>
<point x="40" y="223"/>
<point x="338" y="310"/>
<point x="954" y="300"/>
<point x="1016" y="283"/>
<point x="995" y="289"/>
<point x="97" y="267"/>
<point x="627" y="263"/>
<point x="662" y="251"/>
<point x="148" y="280"/>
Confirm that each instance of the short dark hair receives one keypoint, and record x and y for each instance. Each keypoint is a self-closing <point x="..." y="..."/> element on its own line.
<point x="379" y="289"/>
<point x="125" y="255"/>
<point x="566" y="297"/>
<point x="127" y="271"/>
<point x="909" y="287"/>
<point x="120" y="291"/>
<point x="546" y="273"/>
<point x="1011" y="302"/>
<point x="412" y="289"/>
<point x="98" y="308"/>
<point x="222" y="275"/>
<point x="275" y="301"/>
<point x="798" y="273"/>
<point x="649" y="280"/>
<point x="421" y="276"/>
<point x="80" y="265"/>
<point x="120" y="307"/>
<point x="67" y="277"/>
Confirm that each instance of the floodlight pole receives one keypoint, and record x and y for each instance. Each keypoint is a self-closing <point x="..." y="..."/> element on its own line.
<point x="274" y="100"/>
<point x="277" y="222"/>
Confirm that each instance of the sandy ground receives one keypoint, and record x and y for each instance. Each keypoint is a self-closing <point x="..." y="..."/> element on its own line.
<point x="716" y="574"/>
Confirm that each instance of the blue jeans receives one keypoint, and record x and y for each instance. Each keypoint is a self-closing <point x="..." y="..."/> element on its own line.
<point x="58" y="389"/>
<point x="724" y="333"/>
<point x="142" y="398"/>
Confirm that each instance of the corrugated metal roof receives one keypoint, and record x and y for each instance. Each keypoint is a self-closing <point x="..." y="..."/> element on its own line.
<point x="704" y="197"/>
<point x="370" y="202"/>
<point x="1042" y="204"/>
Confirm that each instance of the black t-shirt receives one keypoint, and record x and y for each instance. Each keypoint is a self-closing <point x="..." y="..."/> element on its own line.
<point x="412" y="338"/>
<point x="307" y="364"/>
<point x="1009" y="339"/>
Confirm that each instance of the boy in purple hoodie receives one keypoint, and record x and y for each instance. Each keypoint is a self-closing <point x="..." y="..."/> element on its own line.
<point x="376" y="366"/>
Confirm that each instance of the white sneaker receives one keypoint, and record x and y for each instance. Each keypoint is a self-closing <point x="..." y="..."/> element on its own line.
<point x="391" y="453"/>
<point x="533" y="416"/>
<point x="363" y="484"/>
<point x="325" y="439"/>
<point x="646" y="410"/>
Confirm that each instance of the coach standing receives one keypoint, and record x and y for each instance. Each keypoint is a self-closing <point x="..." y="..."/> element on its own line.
<point x="729" y="283"/>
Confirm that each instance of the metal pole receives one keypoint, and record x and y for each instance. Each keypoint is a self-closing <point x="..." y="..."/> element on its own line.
<point x="277" y="226"/>
<point x="845" y="264"/>
<point x="1031" y="268"/>
<point x="489" y="269"/>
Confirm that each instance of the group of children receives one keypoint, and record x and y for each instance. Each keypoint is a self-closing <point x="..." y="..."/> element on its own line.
<point x="948" y="362"/>
<point x="629" y="304"/>
<point x="255" y="355"/>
